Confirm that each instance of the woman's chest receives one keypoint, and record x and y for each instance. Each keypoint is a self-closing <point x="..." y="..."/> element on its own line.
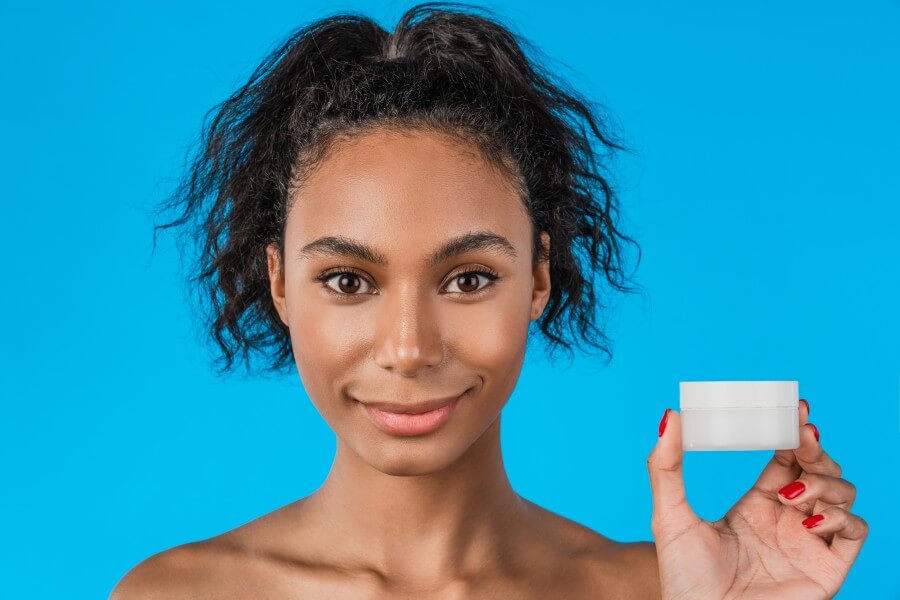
<point x="290" y="582"/>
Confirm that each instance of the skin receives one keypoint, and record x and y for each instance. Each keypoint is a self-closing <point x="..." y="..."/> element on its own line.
<point x="435" y="516"/>
<point x="760" y="549"/>
<point x="429" y="516"/>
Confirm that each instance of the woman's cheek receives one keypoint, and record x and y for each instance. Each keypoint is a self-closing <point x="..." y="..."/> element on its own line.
<point x="490" y="338"/>
<point x="489" y="333"/>
<point x="325" y="340"/>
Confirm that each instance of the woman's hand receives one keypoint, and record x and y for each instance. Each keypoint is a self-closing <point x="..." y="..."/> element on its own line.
<point x="790" y="536"/>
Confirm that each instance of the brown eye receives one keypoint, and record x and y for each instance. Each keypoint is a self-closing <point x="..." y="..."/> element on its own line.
<point x="345" y="283"/>
<point x="348" y="283"/>
<point x="467" y="282"/>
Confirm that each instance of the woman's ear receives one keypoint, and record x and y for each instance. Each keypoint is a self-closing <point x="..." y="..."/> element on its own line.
<point x="541" y="289"/>
<point x="276" y="281"/>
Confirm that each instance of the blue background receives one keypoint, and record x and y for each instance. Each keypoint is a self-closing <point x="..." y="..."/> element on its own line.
<point x="764" y="192"/>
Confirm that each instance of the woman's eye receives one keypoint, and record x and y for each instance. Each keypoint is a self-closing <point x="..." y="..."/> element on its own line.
<point x="347" y="283"/>
<point x="468" y="282"/>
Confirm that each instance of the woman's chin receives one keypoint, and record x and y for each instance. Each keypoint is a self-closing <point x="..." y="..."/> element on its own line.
<point x="401" y="458"/>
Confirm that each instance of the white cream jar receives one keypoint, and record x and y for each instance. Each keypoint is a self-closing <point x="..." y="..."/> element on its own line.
<point x="739" y="415"/>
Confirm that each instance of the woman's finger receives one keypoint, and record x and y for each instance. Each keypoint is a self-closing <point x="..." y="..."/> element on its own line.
<point x="783" y="467"/>
<point x="811" y="456"/>
<point x="847" y="531"/>
<point x="671" y="512"/>
<point x="809" y="488"/>
<point x="803" y="407"/>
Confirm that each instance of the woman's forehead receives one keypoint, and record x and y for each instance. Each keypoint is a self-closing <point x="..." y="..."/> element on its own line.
<point x="411" y="183"/>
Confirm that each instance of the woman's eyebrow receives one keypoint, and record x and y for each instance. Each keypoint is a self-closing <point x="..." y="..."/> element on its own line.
<point x="468" y="242"/>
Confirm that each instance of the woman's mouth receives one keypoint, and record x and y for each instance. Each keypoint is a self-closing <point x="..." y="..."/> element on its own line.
<point x="397" y="419"/>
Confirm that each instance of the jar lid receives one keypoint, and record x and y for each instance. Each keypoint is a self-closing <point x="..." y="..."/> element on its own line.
<point x="738" y="394"/>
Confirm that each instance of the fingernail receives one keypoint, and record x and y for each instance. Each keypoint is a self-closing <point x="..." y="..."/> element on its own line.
<point x="807" y="406"/>
<point x="810" y="522"/>
<point x="815" y="431"/>
<point x="662" y="423"/>
<point x="792" y="490"/>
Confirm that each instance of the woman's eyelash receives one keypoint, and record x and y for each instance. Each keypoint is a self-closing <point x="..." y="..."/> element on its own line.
<point x="485" y="271"/>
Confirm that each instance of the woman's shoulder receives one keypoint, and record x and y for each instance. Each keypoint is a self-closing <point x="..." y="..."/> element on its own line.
<point x="611" y="568"/>
<point x="626" y="570"/>
<point x="180" y="572"/>
<point x="215" y="567"/>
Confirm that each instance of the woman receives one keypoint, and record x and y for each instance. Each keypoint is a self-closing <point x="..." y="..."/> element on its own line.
<point x="390" y="212"/>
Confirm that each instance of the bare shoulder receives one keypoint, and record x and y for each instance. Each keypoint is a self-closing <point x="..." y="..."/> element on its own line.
<point x="629" y="568"/>
<point x="621" y="570"/>
<point x="609" y="568"/>
<point x="228" y="565"/>
<point x="186" y="571"/>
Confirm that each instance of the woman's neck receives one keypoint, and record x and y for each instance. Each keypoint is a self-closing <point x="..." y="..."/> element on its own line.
<point x="434" y="527"/>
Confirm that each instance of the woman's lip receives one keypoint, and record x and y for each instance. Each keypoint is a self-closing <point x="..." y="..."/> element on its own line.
<point x="409" y="409"/>
<point x="411" y="423"/>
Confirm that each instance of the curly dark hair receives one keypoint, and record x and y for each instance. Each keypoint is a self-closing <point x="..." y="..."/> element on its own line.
<point x="444" y="69"/>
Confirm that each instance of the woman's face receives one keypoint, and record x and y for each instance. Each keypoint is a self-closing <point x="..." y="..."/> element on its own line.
<point x="378" y="314"/>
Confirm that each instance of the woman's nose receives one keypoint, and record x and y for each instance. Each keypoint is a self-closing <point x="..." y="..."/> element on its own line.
<point x="409" y="335"/>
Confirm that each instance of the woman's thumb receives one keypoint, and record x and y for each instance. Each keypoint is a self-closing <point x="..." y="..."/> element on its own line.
<point x="671" y="512"/>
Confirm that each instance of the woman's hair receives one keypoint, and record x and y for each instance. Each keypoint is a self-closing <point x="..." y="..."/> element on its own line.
<point x="443" y="70"/>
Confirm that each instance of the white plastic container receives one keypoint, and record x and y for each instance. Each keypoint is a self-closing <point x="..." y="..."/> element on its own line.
<point x="739" y="415"/>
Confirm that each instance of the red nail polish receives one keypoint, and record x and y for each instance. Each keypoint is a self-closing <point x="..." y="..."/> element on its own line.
<point x="810" y="522"/>
<point x="815" y="431"/>
<point x="792" y="490"/>
<point x="662" y="423"/>
<point x="808" y="410"/>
